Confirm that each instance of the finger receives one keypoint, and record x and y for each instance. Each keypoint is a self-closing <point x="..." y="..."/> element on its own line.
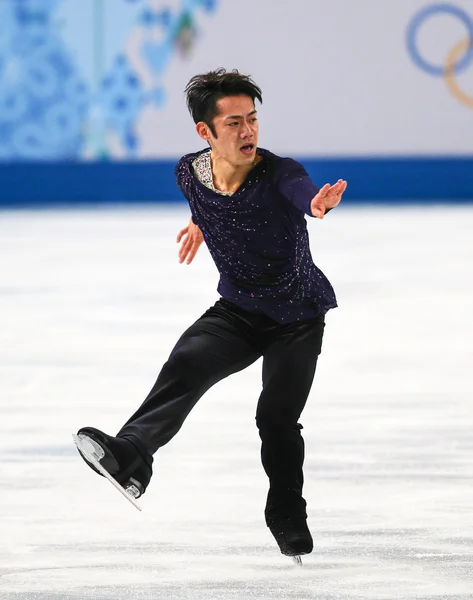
<point x="342" y="187"/>
<point x="323" y="191"/>
<point x="332" y="193"/>
<point x="319" y="211"/>
<point x="336" y="186"/>
<point x="184" y="251"/>
<point x="182" y="233"/>
<point x="192" y="253"/>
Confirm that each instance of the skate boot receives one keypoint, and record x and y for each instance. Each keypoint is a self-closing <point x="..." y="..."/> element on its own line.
<point x="119" y="457"/>
<point x="292" y="536"/>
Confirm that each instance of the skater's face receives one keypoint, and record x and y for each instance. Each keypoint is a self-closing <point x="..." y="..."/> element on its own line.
<point x="236" y="131"/>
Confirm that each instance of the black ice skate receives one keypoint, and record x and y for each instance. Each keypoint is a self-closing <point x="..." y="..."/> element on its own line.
<point x="293" y="537"/>
<point x="102" y="452"/>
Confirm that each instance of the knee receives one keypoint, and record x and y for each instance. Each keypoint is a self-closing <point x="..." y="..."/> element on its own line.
<point x="277" y="424"/>
<point x="188" y="370"/>
<point x="181" y="369"/>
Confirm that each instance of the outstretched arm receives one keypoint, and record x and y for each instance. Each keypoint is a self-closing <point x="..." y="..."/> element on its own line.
<point x="328" y="197"/>
<point x="191" y="238"/>
<point x="296" y="185"/>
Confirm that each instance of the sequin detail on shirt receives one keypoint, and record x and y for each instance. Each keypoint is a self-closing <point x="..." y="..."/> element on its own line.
<point x="202" y="166"/>
<point x="258" y="238"/>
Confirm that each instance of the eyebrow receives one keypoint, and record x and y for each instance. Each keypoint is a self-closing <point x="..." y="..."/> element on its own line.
<point x="253" y="112"/>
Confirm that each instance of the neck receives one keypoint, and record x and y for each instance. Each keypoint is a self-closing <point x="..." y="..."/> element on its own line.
<point x="227" y="177"/>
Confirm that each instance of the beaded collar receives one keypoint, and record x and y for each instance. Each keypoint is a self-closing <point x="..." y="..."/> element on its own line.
<point x="203" y="171"/>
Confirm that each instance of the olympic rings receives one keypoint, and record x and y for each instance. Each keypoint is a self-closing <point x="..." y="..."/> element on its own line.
<point x="419" y="20"/>
<point x="449" y="73"/>
<point x="459" y="57"/>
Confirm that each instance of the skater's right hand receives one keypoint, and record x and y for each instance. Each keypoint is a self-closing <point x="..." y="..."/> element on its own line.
<point x="191" y="237"/>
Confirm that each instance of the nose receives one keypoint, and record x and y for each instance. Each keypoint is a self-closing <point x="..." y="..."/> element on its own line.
<point x="246" y="130"/>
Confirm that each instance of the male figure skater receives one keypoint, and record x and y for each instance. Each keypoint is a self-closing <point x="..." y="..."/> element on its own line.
<point x="249" y="207"/>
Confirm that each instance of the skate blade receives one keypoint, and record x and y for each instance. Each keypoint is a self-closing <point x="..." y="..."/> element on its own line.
<point x="297" y="560"/>
<point x="87" y="450"/>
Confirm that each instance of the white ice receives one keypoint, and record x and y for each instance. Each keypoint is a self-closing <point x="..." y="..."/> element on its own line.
<point x="91" y="302"/>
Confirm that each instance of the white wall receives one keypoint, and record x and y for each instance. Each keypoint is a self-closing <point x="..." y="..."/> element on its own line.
<point x="336" y="75"/>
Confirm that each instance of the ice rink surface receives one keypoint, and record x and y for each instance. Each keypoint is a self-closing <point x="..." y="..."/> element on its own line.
<point x="91" y="303"/>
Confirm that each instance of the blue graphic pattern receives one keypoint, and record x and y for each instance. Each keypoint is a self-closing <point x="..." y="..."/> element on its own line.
<point x="46" y="109"/>
<point x="43" y="100"/>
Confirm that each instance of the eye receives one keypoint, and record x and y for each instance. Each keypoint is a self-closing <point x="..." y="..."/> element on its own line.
<point x="233" y="124"/>
<point x="254" y="119"/>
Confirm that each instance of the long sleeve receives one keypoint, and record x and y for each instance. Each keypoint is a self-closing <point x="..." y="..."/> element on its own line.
<point x="295" y="184"/>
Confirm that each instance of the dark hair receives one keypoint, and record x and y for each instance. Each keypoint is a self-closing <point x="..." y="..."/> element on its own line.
<point x="205" y="90"/>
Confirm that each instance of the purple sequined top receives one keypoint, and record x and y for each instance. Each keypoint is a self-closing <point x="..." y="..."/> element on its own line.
<point x="258" y="238"/>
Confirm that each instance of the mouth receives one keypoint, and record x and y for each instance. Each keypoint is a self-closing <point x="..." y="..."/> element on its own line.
<point x="247" y="149"/>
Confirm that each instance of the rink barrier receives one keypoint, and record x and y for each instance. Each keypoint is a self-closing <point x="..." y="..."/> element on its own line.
<point x="370" y="179"/>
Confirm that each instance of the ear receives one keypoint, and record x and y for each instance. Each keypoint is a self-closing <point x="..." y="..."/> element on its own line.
<point x="203" y="130"/>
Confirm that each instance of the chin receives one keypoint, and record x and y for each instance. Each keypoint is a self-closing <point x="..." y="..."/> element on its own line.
<point x="244" y="161"/>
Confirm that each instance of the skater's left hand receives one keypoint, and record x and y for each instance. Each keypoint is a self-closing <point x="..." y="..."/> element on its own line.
<point x="192" y="238"/>
<point x="328" y="197"/>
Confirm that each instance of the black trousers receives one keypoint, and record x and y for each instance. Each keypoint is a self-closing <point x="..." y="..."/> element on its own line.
<point x="225" y="340"/>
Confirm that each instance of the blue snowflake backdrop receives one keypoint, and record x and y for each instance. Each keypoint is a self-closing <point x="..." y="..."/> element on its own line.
<point x="49" y="108"/>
